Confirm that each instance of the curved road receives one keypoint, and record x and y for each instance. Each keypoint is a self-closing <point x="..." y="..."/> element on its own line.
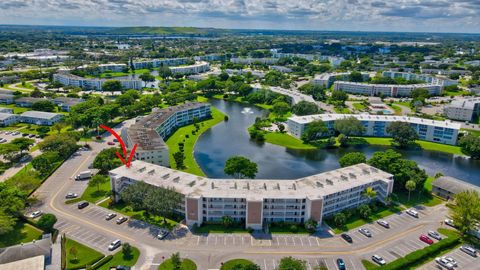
<point x="88" y="226"/>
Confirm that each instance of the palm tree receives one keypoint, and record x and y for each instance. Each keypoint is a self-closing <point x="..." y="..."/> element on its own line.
<point x="410" y="186"/>
<point x="370" y="193"/>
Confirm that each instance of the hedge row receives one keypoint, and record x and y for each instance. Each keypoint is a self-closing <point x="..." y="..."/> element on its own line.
<point x="431" y="251"/>
<point x="101" y="262"/>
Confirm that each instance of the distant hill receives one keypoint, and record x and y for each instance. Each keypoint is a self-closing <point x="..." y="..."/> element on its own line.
<point x="144" y="30"/>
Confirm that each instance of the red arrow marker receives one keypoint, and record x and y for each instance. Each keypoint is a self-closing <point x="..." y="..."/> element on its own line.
<point x="124" y="148"/>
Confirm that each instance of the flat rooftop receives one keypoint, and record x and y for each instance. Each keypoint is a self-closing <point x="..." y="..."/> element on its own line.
<point x="5" y="116"/>
<point x="417" y="85"/>
<point x="315" y="186"/>
<point x="38" y="114"/>
<point x="466" y="103"/>
<point x="370" y="117"/>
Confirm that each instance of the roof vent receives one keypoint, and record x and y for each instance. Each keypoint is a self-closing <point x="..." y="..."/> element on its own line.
<point x="329" y="182"/>
<point x="320" y="185"/>
<point x="151" y="172"/>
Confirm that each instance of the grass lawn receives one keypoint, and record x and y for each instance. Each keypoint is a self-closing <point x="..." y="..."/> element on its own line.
<point x="403" y="103"/>
<point x="93" y="195"/>
<point x="287" y="229"/>
<point x="283" y="139"/>
<point x="118" y="259"/>
<point x="140" y="215"/>
<point x="359" y="106"/>
<point x="398" y="110"/>
<point x="356" y="220"/>
<point x="451" y="149"/>
<point x="416" y="198"/>
<point x="343" y="110"/>
<point x="228" y="265"/>
<point x="22" y="233"/>
<point x="187" y="264"/>
<point x="17" y="110"/>
<point x="473" y="132"/>
<point x="85" y="255"/>
<point x="189" y="142"/>
<point x="219" y="228"/>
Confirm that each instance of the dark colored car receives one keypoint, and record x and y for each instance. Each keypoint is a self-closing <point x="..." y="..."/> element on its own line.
<point x="341" y="264"/>
<point x="347" y="238"/>
<point x="82" y="205"/>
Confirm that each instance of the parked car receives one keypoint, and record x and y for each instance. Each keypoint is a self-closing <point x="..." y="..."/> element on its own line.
<point x="110" y="143"/>
<point x="110" y="216"/>
<point x="451" y="260"/>
<point x="426" y="239"/>
<point x="383" y="223"/>
<point x="469" y="250"/>
<point x="434" y="235"/>
<point x="82" y="205"/>
<point x="71" y="195"/>
<point x="443" y="262"/>
<point x="340" y="264"/>
<point x="412" y="212"/>
<point x="347" y="238"/>
<point x="121" y="220"/>
<point x="365" y="232"/>
<point x="162" y="234"/>
<point x="449" y="222"/>
<point x="115" y="140"/>
<point x="376" y="258"/>
<point x="98" y="137"/>
<point x="31" y="136"/>
<point x="36" y="214"/>
<point x="115" y="244"/>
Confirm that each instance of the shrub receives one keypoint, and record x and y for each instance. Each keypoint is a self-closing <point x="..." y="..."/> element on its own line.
<point x="46" y="222"/>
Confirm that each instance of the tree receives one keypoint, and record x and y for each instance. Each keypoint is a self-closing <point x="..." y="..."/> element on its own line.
<point x="470" y="144"/>
<point x="342" y="140"/>
<point x="339" y="97"/>
<point x="97" y="180"/>
<point x="340" y="219"/>
<point x="420" y="94"/>
<point x="10" y="152"/>
<point x="135" y="195"/>
<point x="164" y="72"/>
<point x="241" y="266"/>
<point x="369" y="193"/>
<point x="127" y="251"/>
<point x="410" y="186"/>
<point x="280" y="108"/>
<point x="176" y="261"/>
<point x="179" y="158"/>
<point x="352" y="158"/>
<point x="349" y="126"/>
<point x="44" y="106"/>
<point x="402" y="133"/>
<point x="240" y="167"/>
<point x="107" y="160"/>
<point x="465" y="212"/>
<point x="355" y="76"/>
<point x="314" y="130"/>
<point x="45" y="162"/>
<point x="73" y="251"/>
<point x="23" y="143"/>
<point x="147" y="77"/>
<point x="290" y="263"/>
<point x="64" y="144"/>
<point x="58" y="127"/>
<point x="227" y="221"/>
<point x="305" y="108"/>
<point x="311" y="225"/>
<point x="46" y="222"/>
<point x="112" y="85"/>
<point x="7" y="223"/>
<point x="364" y="211"/>
<point x="281" y="127"/>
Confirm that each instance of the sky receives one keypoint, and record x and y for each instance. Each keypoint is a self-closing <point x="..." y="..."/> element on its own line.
<point x="346" y="15"/>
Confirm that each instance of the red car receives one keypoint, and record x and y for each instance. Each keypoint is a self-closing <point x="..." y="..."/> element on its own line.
<point x="110" y="143"/>
<point x="426" y="239"/>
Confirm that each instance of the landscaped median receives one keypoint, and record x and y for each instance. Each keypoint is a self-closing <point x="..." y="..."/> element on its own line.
<point x="419" y="257"/>
<point x="186" y="264"/>
<point x="230" y="265"/>
<point x="188" y="136"/>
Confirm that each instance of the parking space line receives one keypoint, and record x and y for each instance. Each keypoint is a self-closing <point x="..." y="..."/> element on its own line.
<point x="318" y="243"/>
<point x="353" y="265"/>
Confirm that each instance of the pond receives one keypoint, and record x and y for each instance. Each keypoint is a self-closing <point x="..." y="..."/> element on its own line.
<point x="231" y="138"/>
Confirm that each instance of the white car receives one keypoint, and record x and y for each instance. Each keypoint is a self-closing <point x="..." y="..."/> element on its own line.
<point x="71" y="195"/>
<point x="412" y="212"/>
<point x="162" y="234"/>
<point x="36" y="214"/>
<point x="435" y="235"/>
<point x="378" y="259"/>
<point x="365" y="232"/>
<point x="449" y="222"/>
<point x="469" y="250"/>
<point x="443" y="262"/>
<point x="115" y="244"/>
<point x="383" y="223"/>
<point x="450" y="260"/>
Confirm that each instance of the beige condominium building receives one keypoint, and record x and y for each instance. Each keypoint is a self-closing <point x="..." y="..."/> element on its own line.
<point x="259" y="201"/>
<point x="149" y="132"/>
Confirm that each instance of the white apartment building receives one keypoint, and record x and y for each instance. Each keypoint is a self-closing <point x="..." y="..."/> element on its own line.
<point x="257" y="202"/>
<point x="389" y="90"/>
<point x="40" y="118"/>
<point x="112" y="67"/>
<point x="68" y="79"/>
<point x="7" y="119"/>
<point x="327" y="79"/>
<point x="465" y="109"/>
<point x="422" y="77"/>
<point x="149" y="132"/>
<point x="199" y="67"/>
<point x="155" y="63"/>
<point x="250" y="60"/>
<point x="444" y="132"/>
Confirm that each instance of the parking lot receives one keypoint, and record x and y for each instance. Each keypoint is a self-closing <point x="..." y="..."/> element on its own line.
<point x="312" y="263"/>
<point x="464" y="261"/>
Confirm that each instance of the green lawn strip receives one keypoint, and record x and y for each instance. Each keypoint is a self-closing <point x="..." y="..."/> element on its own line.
<point x="342" y="110"/>
<point x="356" y="220"/>
<point x="240" y="100"/>
<point x="451" y="149"/>
<point x="283" y="139"/>
<point x="287" y="228"/>
<point x="403" y="103"/>
<point x="85" y="255"/>
<point x="419" y="257"/>
<point x="220" y="228"/>
<point x="180" y="135"/>
<point x="398" y="110"/>
<point x="416" y="198"/>
<point x="22" y="233"/>
<point x="228" y="265"/>
<point x="118" y="259"/>
<point x="473" y="132"/>
<point x="94" y="194"/>
<point x="140" y="215"/>
<point x="359" y="106"/>
<point x="17" y="110"/>
<point x="187" y="264"/>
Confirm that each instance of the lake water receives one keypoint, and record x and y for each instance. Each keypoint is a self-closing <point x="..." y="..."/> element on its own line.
<point x="231" y="138"/>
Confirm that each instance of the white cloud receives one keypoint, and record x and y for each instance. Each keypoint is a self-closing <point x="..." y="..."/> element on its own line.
<point x="399" y="15"/>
